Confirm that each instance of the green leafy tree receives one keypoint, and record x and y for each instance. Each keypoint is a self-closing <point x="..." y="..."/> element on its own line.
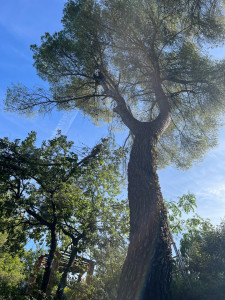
<point x="182" y="216"/>
<point x="11" y="271"/>
<point x="185" y="225"/>
<point x="141" y="62"/>
<point x="53" y="197"/>
<point x="204" y="256"/>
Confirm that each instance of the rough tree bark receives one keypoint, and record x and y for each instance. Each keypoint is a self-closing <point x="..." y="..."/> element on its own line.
<point x="146" y="273"/>
<point x="149" y="253"/>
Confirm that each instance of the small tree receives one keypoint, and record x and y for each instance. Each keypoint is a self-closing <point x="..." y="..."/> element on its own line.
<point x="49" y="193"/>
<point x="204" y="256"/>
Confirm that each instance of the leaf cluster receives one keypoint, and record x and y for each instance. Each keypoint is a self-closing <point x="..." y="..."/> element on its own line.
<point x="203" y="251"/>
<point x="48" y="186"/>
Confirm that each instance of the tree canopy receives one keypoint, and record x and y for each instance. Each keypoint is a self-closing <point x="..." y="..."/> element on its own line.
<point x="50" y="196"/>
<point x="132" y="43"/>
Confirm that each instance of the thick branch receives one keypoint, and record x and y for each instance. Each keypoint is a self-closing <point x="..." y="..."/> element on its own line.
<point x="163" y="120"/>
<point x="38" y="218"/>
<point x="92" y="155"/>
<point x="185" y="82"/>
<point x="111" y="90"/>
<point x="63" y="281"/>
<point x="74" y="239"/>
<point x="125" y="113"/>
<point x="48" y="268"/>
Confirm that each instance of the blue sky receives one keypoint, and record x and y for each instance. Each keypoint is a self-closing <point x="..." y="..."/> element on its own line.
<point x="22" y="22"/>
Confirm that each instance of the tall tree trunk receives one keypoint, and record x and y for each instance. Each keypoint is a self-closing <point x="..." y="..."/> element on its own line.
<point x="48" y="267"/>
<point x="147" y="269"/>
<point x="63" y="281"/>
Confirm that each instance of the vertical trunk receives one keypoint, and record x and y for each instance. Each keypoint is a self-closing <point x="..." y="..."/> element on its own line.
<point x="147" y="269"/>
<point x="63" y="281"/>
<point x="48" y="267"/>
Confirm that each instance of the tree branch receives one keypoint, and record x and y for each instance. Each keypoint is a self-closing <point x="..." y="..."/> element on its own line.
<point x="163" y="120"/>
<point x="75" y="240"/>
<point x="39" y="218"/>
<point x="122" y="109"/>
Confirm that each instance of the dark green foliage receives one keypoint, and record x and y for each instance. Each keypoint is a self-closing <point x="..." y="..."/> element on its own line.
<point x="48" y="194"/>
<point x="31" y="177"/>
<point x="204" y="256"/>
<point x="11" y="272"/>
